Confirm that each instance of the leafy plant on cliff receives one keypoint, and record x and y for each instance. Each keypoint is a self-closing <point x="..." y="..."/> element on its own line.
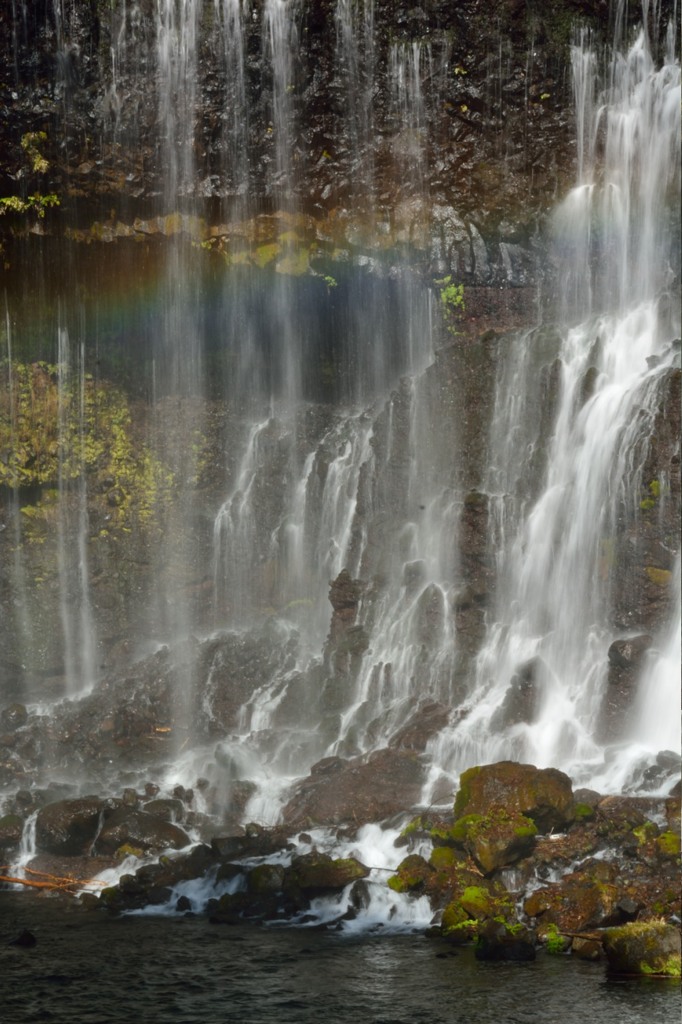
<point x="37" y="202"/>
<point x="55" y="428"/>
<point x="452" y="299"/>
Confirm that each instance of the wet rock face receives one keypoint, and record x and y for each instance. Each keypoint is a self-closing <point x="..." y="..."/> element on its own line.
<point x="648" y="542"/>
<point x="626" y="660"/>
<point x="500" y="87"/>
<point x="68" y="827"/>
<point x="521" y="699"/>
<point x="125" y="826"/>
<point x="337" y="791"/>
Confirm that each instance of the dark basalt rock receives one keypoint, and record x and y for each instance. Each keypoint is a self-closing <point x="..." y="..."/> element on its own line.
<point x="135" y="828"/>
<point x="626" y="658"/>
<point x="11" y="831"/>
<point x="429" y="718"/>
<point x="496" y="941"/>
<point x="521" y="699"/>
<point x="361" y="790"/>
<point x="69" y="827"/>
<point x="13" y="717"/>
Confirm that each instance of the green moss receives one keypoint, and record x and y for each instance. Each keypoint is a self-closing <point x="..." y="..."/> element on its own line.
<point x="128" y="851"/>
<point x="467" y="827"/>
<point x="265" y="254"/>
<point x="668" y="844"/>
<point x="457" y="924"/>
<point x="671" y="968"/>
<point x="294" y="263"/>
<point x="418" y="824"/>
<point x="645" y="832"/>
<point x="554" y="940"/>
<point x="464" y="793"/>
<point x="442" y="858"/>
<point x="583" y="812"/>
<point x="660" y="577"/>
<point x="410" y="875"/>
<point x="452" y="299"/>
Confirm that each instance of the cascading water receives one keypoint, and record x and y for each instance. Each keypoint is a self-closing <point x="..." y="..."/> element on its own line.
<point x="557" y="595"/>
<point x="79" y="637"/>
<point x="355" y="54"/>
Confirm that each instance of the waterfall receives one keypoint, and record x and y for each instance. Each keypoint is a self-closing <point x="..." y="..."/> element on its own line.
<point x="355" y="54"/>
<point x="558" y="594"/>
<point x="230" y="16"/>
<point x="79" y="639"/>
<point x="280" y="39"/>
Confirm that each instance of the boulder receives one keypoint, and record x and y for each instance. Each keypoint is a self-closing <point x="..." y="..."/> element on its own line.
<point x="128" y="826"/>
<point x="317" y="873"/>
<point x="495" y="840"/>
<point x="543" y="794"/>
<point x="577" y="903"/>
<point x="68" y="827"/>
<point x="411" y="874"/>
<point x="80" y="868"/>
<point x="360" y="790"/>
<point x="169" y="809"/>
<point x="265" y="879"/>
<point x="11" y="831"/>
<point x="499" y="941"/>
<point x="643" y="947"/>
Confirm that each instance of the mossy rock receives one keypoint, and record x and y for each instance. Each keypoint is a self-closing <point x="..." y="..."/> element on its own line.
<point x="456" y="925"/>
<point x="643" y="948"/>
<point x="575" y="904"/>
<point x="266" y="878"/>
<point x="443" y="857"/>
<point x="545" y="795"/>
<point x="411" y="875"/>
<point x="316" y="873"/>
<point x="583" y="812"/>
<point x="495" y="840"/>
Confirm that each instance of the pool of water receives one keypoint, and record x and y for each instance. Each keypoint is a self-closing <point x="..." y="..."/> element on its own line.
<point x="88" y="968"/>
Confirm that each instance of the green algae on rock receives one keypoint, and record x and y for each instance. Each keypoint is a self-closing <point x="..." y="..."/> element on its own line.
<point x="644" y="948"/>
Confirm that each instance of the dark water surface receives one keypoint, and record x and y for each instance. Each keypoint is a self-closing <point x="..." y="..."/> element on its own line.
<point x="87" y="968"/>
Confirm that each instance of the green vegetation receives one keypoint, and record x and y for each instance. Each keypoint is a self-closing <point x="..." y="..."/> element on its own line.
<point x="37" y="202"/>
<point x="55" y="428"/>
<point x="452" y="299"/>
<point x="30" y="144"/>
<point x="583" y="812"/>
<point x="668" y="844"/>
<point x="653" y="495"/>
<point x="554" y="940"/>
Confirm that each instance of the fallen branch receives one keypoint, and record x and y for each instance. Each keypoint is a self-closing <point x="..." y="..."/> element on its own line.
<point x="54" y="883"/>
